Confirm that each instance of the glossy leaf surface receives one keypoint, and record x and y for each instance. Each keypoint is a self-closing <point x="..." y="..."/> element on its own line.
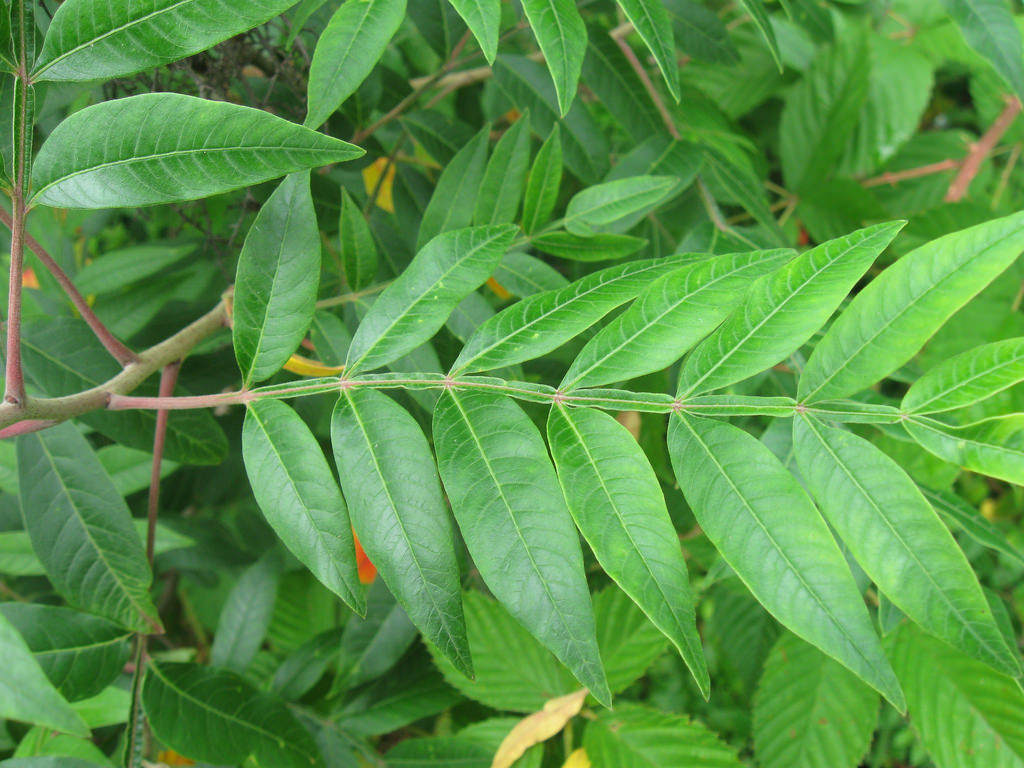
<point x="967" y="378"/>
<point x="563" y="41"/>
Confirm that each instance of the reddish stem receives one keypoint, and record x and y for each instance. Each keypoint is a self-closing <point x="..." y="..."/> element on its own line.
<point x="638" y="67"/>
<point x="912" y="173"/>
<point x="168" y="378"/>
<point x="981" y="149"/>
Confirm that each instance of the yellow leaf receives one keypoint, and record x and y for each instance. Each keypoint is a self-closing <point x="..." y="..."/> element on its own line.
<point x="499" y="290"/>
<point x="306" y="367"/>
<point x="538" y="727"/>
<point x="578" y="759"/>
<point x="372" y="174"/>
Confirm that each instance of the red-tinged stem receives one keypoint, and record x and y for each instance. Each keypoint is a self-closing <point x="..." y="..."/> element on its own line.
<point x="912" y="173"/>
<point x="25" y="427"/>
<point x="638" y="67"/>
<point x="15" y="377"/>
<point x="168" y="378"/>
<point x="981" y="149"/>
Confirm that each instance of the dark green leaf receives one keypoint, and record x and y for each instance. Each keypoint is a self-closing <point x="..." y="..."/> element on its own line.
<point x="451" y="204"/>
<point x="502" y="186"/>
<point x="356" y="245"/>
<point x="563" y="41"/>
<point x="246" y="615"/>
<point x="483" y="17"/>
<point x="600" y="247"/>
<point x="651" y="21"/>
<point x="988" y="26"/>
<point x="543" y="183"/>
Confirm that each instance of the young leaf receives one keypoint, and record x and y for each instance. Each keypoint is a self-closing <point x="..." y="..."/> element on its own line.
<point x="277" y="279"/>
<point x="81" y="528"/>
<point x="80" y="654"/>
<point x="888" y="322"/>
<point x="896" y="537"/>
<point x="502" y="185"/>
<point x="616" y="501"/>
<point x="505" y="496"/>
<point x="451" y="204"/>
<point x="389" y="478"/>
<point x="169" y="148"/>
<point x="216" y="717"/>
<point x="651" y="21"/>
<point x="347" y="51"/>
<point x="967" y="378"/>
<point x="783" y="310"/>
<point x="356" y="245"/>
<point x="673" y="314"/>
<point x="596" y="208"/>
<point x="563" y="41"/>
<point x="989" y="28"/>
<point x="543" y="183"/>
<point x="993" y="447"/>
<point x="415" y="306"/>
<point x="544" y="321"/>
<point x="767" y="529"/>
<point x="483" y="17"/>
<point x="25" y="693"/>
<point x="602" y="247"/>
<point x="835" y="711"/>
<point x="101" y="39"/>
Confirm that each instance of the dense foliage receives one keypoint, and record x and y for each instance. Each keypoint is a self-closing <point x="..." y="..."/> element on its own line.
<point x="410" y="383"/>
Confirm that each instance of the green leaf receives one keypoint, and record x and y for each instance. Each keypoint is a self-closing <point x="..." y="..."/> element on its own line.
<point x="783" y="310"/>
<point x="544" y="321"/>
<point x="373" y="645"/>
<point x="117" y="269"/>
<point x="451" y="204"/>
<point x="215" y="716"/>
<point x="601" y="247"/>
<point x="277" y="280"/>
<point x="764" y="25"/>
<point x="629" y="642"/>
<point x="700" y="33"/>
<point x="967" y="378"/>
<point x="652" y="23"/>
<point x="524" y="275"/>
<point x="101" y="39"/>
<point x="891" y="319"/>
<point x="483" y="17"/>
<point x="563" y="41"/>
<point x="634" y="736"/>
<point x="607" y="72"/>
<point x="670" y="316"/>
<point x="596" y="208"/>
<point x="767" y="529"/>
<point x="130" y="469"/>
<point x="502" y="185"/>
<point x="356" y="245"/>
<point x="415" y="306"/>
<point x="821" y="111"/>
<point x="988" y="27"/>
<point x="389" y="479"/>
<point x="899" y="541"/>
<point x="809" y="711"/>
<point x="347" y="51"/>
<point x="80" y="654"/>
<point x="745" y="188"/>
<point x="543" y="183"/>
<point x="957" y="511"/>
<point x="965" y="714"/>
<point x="299" y="496"/>
<point x="246" y="614"/>
<point x="170" y="148"/>
<point x="25" y="693"/>
<point x="994" y="447"/>
<point x="506" y="499"/>
<point x="616" y="501"/>
<point x="81" y="528"/>
<point x="439" y="752"/>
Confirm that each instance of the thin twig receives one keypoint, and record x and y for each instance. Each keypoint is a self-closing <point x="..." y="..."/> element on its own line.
<point x="981" y="149"/>
<point x="348" y="298"/>
<point x="168" y="378"/>
<point x="638" y="67"/>
<point x="912" y="173"/>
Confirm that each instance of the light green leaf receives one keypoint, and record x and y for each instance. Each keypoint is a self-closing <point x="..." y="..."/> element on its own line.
<point x="994" y="447"/>
<point x="967" y="378"/>
<point x="415" y="306"/>
<point x="25" y="693"/>
<point x="616" y="501"/>
<point x="246" y="614"/>
<point x="215" y="716"/>
<point x="117" y="269"/>
<point x="745" y="188"/>
<point x="606" y="246"/>
<point x="544" y="321"/>
<point x="277" y="280"/>
<point x="299" y="496"/>
<point x="896" y="537"/>
<point x="563" y="41"/>
<point x="131" y="470"/>
<point x="347" y="51"/>
<point x="783" y="310"/>
<point x="957" y="511"/>
<point x="357" y="248"/>
<point x="809" y="711"/>
<point x="891" y="319"/>
<point x="652" y="23"/>
<point x="483" y="17"/>
<point x="524" y="275"/>
<point x="767" y="529"/>
<point x="502" y="185"/>
<point x="451" y="204"/>
<point x="506" y="499"/>
<point x="543" y="183"/>
<point x="101" y="39"/>
<point x="80" y="654"/>
<point x="670" y="316"/>
<point x="81" y="528"/>
<point x="764" y="25"/>
<point x="389" y="479"/>
<point x="988" y="27"/>
<point x="596" y="208"/>
<point x="966" y="714"/>
<point x="170" y="148"/>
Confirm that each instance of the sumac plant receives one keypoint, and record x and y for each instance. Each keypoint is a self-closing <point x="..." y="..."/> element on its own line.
<point x="535" y="383"/>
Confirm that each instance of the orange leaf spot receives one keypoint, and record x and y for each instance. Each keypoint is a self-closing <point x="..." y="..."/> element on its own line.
<point x="498" y="288"/>
<point x="367" y="570"/>
<point x="371" y="176"/>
